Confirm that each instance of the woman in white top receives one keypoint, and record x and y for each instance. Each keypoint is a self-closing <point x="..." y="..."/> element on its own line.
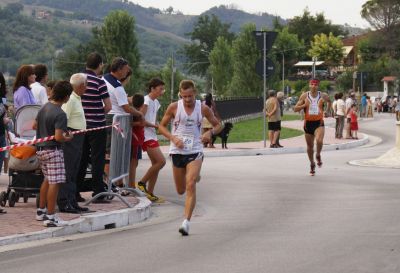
<point x="340" y="113"/>
<point x="39" y="87"/>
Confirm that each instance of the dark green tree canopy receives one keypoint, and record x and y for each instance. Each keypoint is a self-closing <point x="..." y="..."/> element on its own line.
<point x="204" y="35"/>
<point x="307" y="26"/>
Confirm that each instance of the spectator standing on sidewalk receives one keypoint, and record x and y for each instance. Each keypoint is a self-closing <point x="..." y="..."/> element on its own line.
<point x="96" y="104"/>
<point x="280" y="96"/>
<point x="206" y="125"/>
<point x="273" y="113"/>
<point x="313" y="104"/>
<point x="137" y="139"/>
<point x="52" y="121"/>
<point x="334" y="108"/>
<point x="349" y="102"/>
<point x="151" y="145"/>
<point x="73" y="149"/>
<point x="119" y="71"/>
<point x="354" y="121"/>
<point x="364" y="104"/>
<point x="22" y="90"/>
<point x="39" y="87"/>
<point x="186" y="147"/>
<point x="340" y="113"/>
<point x="370" y="108"/>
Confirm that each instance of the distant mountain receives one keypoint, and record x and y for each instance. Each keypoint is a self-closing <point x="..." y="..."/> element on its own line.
<point x="159" y="32"/>
<point x="238" y="18"/>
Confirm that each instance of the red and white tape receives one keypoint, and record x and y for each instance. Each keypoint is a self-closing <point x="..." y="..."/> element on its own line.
<point x="44" y="139"/>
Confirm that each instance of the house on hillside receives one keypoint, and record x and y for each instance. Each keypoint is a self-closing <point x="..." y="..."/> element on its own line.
<point x="43" y="15"/>
<point x="350" y="58"/>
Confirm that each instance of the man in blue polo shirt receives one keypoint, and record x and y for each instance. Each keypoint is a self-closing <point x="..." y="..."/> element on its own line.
<point x="118" y="97"/>
<point x="96" y="104"/>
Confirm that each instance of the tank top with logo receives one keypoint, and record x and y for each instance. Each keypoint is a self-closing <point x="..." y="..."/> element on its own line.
<point x="315" y="107"/>
<point x="188" y="128"/>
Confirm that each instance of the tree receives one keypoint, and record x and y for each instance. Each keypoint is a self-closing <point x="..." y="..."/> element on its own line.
<point x="382" y="14"/>
<point x="288" y="44"/>
<point x="205" y="33"/>
<point x="327" y="48"/>
<point x="166" y="74"/>
<point x="307" y="26"/>
<point x="221" y="66"/>
<point x="245" y="81"/>
<point x="118" y="38"/>
<point x="169" y="10"/>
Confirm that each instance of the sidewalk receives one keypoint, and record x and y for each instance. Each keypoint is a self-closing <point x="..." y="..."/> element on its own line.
<point x="19" y="224"/>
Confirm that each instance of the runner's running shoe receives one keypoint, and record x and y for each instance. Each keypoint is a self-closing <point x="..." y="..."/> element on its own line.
<point x="312" y="169"/>
<point x="184" y="229"/>
<point x="319" y="161"/>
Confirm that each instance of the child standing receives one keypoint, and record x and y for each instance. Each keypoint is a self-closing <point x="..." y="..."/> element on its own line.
<point x="137" y="139"/>
<point x="52" y="120"/>
<point x="353" y="121"/>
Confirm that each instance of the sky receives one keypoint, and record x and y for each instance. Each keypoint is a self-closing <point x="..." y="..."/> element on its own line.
<point x="338" y="11"/>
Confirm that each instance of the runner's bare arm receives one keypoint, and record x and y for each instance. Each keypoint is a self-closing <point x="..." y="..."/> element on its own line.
<point x="162" y="127"/>
<point x="301" y="104"/>
<point x="208" y="114"/>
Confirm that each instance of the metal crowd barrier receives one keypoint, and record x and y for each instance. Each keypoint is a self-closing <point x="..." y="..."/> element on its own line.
<point x="120" y="156"/>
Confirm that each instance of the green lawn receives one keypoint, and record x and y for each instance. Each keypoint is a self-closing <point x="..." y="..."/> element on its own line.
<point x="252" y="130"/>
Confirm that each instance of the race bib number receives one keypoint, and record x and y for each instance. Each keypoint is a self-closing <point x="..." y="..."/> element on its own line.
<point x="187" y="142"/>
<point x="314" y="109"/>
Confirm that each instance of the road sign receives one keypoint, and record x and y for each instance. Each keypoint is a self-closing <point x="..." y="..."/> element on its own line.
<point x="270" y="67"/>
<point x="271" y="36"/>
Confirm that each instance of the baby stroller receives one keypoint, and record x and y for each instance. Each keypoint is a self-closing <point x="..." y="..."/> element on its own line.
<point x="25" y="176"/>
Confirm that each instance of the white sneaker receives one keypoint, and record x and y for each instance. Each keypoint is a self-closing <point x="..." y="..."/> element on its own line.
<point x="41" y="214"/>
<point x="54" y="221"/>
<point x="184" y="229"/>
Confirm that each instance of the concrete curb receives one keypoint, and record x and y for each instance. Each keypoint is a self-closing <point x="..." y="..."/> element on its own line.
<point x="389" y="160"/>
<point x="88" y="223"/>
<point x="271" y="151"/>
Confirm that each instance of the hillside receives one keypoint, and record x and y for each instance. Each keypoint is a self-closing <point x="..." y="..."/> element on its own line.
<point x="45" y="27"/>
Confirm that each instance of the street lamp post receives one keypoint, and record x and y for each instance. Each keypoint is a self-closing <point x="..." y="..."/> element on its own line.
<point x="212" y="78"/>
<point x="283" y="72"/>
<point x="172" y="77"/>
<point x="314" y="59"/>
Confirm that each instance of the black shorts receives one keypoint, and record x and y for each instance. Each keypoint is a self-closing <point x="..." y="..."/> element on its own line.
<point x="311" y="126"/>
<point x="274" y="126"/>
<point x="180" y="161"/>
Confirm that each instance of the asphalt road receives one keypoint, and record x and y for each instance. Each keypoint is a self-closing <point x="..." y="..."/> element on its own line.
<point x="254" y="214"/>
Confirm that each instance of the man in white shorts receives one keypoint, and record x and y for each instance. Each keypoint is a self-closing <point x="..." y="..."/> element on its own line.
<point x="186" y="148"/>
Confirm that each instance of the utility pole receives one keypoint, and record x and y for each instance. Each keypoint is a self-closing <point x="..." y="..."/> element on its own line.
<point x="172" y="77"/>
<point x="283" y="72"/>
<point x="265" y="86"/>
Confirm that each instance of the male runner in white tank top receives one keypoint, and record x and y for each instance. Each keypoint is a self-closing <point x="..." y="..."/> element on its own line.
<point x="186" y="148"/>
